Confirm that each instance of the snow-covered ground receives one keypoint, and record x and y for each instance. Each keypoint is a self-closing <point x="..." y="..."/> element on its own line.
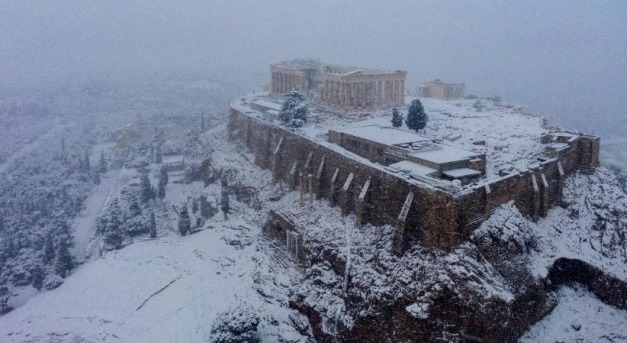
<point x="112" y="299"/>
<point x="579" y="317"/>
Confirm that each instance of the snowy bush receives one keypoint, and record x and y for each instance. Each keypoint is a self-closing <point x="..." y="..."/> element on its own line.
<point x="238" y="324"/>
<point x="52" y="281"/>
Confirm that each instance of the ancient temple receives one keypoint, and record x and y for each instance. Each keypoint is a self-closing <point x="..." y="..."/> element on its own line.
<point x="342" y="86"/>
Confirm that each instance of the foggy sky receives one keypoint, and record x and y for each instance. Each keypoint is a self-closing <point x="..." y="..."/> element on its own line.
<point x="563" y="59"/>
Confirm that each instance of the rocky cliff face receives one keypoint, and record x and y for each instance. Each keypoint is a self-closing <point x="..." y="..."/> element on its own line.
<point x="491" y="289"/>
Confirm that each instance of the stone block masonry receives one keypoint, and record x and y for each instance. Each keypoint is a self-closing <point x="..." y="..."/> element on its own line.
<point x="436" y="218"/>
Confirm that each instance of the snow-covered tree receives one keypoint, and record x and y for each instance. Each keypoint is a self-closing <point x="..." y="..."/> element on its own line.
<point x="37" y="277"/>
<point x="295" y="109"/>
<point x="159" y="155"/>
<point x="224" y="204"/>
<point x="4" y="299"/>
<point x="185" y="222"/>
<point x="86" y="164"/>
<point x="416" y="116"/>
<point x="397" y="118"/>
<point x="202" y="122"/>
<point x="134" y="209"/>
<point x="147" y="192"/>
<point x="49" y="253"/>
<point x="163" y="181"/>
<point x="153" y="225"/>
<point x="113" y="235"/>
<point x="102" y="166"/>
<point x="64" y="262"/>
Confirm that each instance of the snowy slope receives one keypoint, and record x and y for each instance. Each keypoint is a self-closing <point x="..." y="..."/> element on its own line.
<point x="111" y="297"/>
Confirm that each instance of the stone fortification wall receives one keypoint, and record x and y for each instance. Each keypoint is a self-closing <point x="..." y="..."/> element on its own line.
<point x="373" y="195"/>
<point x="437" y="218"/>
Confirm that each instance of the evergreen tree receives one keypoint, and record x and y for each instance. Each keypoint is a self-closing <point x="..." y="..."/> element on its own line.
<point x="4" y="300"/>
<point x="202" y="122"/>
<point x="185" y="222"/>
<point x="224" y="204"/>
<point x="397" y="118"/>
<point x="103" y="163"/>
<point x="163" y="181"/>
<point x="113" y="226"/>
<point x="64" y="260"/>
<point x="153" y="225"/>
<point x="416" y="116"/>
<point x="37" y="275"/>
<point x="63" y="145"/>
<point x="295" y="109"/>
<point x="159" y="156"/>
<point x="135" y="210"/>
<point x="86" y="164"/>
<point x="147" y="192"/>
<point x="49" y="253"/>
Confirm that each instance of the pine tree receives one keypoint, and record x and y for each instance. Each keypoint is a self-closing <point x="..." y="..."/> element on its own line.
<point x="103" y="163"/>
<point x="397" y="118"/>
<point x="64" y="260"/>
<point x="202" y="122"/>
<point x="295" y="109"/>
<point x="184" y="221"/>
<point x="147" y="192"/>
<point x="37" y="275"/>
<point x="416" y="116"/>
<point x="49" y="253"/>
<point x="153" y="225"/>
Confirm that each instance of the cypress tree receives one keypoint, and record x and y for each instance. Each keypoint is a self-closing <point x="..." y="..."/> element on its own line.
<point x="163" y="181"/>
<point x="185" y="222"/>
<point x="397" y="118"/>
<point x="416" y="116"/>
<point x="103" y="163"/>
<point x="49" y="253"/>
<point x="38" y="276"/>
<point x="159" y="156"/>
<point x="64" y="260"/>
<point x="147" y="192"/>
<point x="224" y="204"/>
<point x="153" y="225"/>
<point x="86" y="163"/>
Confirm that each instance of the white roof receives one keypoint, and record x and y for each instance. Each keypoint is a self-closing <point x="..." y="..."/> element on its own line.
<point x="445" y="155"/>
<point x="413" y="168"/>
<point x="267" y="104"/>
<point x="382" y="134"/>
<point x="461" y="172"/>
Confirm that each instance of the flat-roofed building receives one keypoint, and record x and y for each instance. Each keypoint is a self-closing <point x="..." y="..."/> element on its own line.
<point x="409" y="151"/>
<point x="441" y="90"/>
<point x="343" y="86"/>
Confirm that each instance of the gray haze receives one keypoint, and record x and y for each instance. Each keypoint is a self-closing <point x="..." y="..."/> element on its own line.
<point x="563" y="59"/>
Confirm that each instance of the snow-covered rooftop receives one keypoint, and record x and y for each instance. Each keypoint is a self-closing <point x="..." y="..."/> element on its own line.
<point x="508" y="136"/>
<point x="445" y="154"/>
<point x="382" y="134"/>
